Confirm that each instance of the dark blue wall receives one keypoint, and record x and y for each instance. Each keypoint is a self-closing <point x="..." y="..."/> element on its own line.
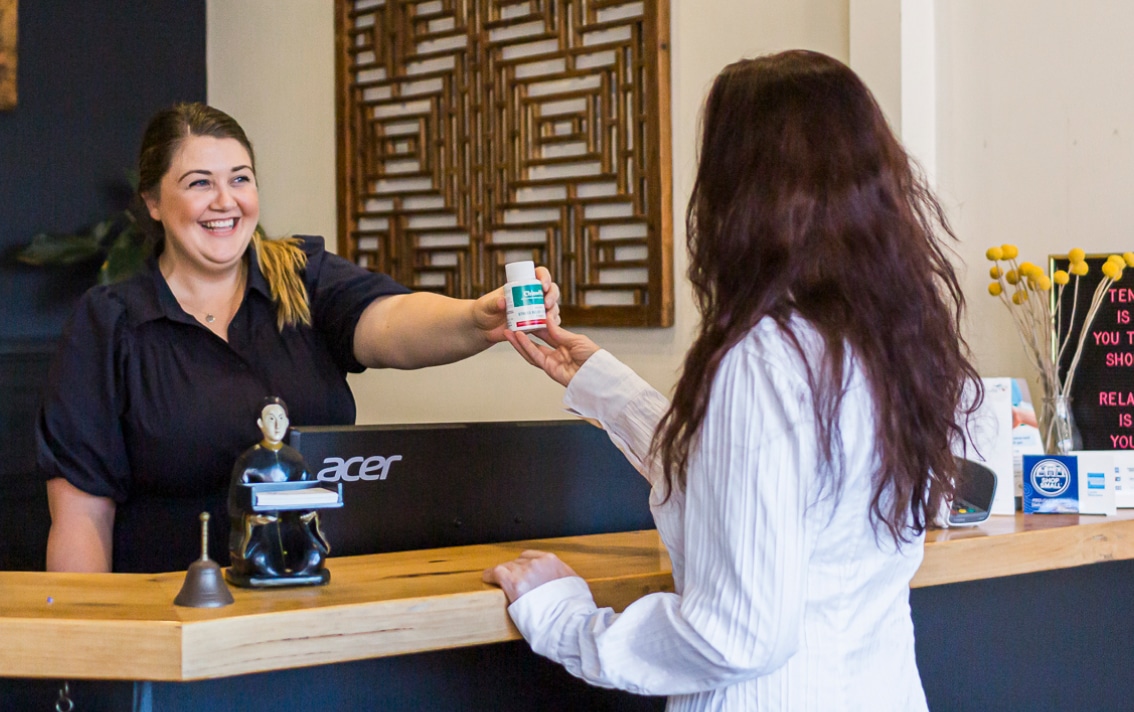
<point x="90" y="73"/>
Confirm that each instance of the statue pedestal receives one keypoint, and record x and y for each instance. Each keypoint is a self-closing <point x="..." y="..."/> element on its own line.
<point x="245" y="581"/>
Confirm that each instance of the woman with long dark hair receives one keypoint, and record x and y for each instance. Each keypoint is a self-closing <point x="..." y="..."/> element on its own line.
<point x="808" y="443"/>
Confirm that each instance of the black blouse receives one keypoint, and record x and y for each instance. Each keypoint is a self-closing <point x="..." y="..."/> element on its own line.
<point x="148" y="407"/>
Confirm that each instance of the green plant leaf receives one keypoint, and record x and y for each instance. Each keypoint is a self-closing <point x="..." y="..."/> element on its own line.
<point x="57" y="249"/>
<point x="125" y="257"/>
<point x="103" y="229"/>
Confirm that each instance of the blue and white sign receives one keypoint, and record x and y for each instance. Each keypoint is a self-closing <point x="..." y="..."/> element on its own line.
<point x="1051" y="484"/>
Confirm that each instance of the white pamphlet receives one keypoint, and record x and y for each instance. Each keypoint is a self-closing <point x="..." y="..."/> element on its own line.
<point x="296" y="497"/>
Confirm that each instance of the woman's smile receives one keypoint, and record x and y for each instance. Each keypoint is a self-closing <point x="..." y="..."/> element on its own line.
<point x="208" y="205"/>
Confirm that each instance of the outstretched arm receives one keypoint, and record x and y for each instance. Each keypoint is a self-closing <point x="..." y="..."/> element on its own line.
<point x="563" y="359"/>
<point x="610" y="393"/>
<point x="423" y="329"/>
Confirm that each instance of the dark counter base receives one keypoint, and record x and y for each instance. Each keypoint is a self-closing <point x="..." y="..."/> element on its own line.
<point x="1051" y="641"/>
<point x="491" y="677"/>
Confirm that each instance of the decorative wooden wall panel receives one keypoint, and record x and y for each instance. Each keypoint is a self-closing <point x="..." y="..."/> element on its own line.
<point x="477" y="132"/>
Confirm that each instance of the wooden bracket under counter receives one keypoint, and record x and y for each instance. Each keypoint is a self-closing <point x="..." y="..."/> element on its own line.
<point x="125" y="626"/>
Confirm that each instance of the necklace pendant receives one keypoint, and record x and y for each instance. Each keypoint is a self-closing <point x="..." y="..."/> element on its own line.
<point x="210" y="318"/>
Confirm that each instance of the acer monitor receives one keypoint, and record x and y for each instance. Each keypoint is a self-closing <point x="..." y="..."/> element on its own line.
<point x="432" y="485"/>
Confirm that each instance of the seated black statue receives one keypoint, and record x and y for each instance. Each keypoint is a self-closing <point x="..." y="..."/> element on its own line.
<point x="273" y="548"/>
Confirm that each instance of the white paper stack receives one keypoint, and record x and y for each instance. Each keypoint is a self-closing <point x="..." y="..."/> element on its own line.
<point x="296" y="497"/>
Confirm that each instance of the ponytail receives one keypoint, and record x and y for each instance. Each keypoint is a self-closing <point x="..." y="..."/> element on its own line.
<point x="282" y="261"/>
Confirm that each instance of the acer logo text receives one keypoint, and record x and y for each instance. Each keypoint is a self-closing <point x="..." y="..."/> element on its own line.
<point x="369" y="468"/>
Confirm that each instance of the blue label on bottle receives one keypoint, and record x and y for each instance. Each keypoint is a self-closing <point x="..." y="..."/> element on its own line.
<point x="527" y="295"/>
<point x="525" y="306"/>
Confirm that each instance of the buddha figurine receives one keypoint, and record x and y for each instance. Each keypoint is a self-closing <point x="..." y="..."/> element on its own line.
<point x="273" y="548"/>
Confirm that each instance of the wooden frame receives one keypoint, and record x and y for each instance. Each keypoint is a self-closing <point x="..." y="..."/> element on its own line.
<point x="8" y="27"/>
<point x="472" y="133"/>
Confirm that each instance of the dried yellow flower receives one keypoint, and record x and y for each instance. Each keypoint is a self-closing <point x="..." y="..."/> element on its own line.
<point x="1035" y="310"/>
<point x="1129" y="258"/>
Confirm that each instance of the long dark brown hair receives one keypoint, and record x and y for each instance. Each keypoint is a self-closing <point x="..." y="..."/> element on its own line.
<point x="806" y="205"/>
<point x="281" y="261"/>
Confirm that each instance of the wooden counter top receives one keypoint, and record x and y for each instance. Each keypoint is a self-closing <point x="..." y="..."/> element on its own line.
<point x="1024" y="544"/>
<point x="125" y="626"/>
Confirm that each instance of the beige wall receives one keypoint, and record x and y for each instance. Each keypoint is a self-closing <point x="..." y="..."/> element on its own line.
<point x="1035" y="139"/>
<point x="270" y="65"/>
<point x="1033" y="116"/>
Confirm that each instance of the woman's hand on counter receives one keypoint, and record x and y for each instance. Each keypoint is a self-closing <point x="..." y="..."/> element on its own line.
<point x="567" y="353"/>
<point x="531" y="570"/>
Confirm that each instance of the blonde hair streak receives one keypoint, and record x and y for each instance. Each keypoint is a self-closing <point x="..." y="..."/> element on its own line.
<point x="282" y="262"/>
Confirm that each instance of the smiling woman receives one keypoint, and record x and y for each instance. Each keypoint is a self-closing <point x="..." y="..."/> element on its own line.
<point x="209" y="206"/>
<point x="157" y="379"/>
<point x="7" y="54"/>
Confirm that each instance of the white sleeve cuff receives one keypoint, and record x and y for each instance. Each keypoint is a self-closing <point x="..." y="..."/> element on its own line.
<point x="603" y="387"/>
<point x="543" y="615"/>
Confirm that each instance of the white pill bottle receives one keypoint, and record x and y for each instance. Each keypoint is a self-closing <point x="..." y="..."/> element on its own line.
<point x="524" y="296"/>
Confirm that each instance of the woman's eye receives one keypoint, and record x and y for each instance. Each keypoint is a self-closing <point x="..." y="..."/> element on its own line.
<point x="202" y="183"/>
<point x="242" y="179"/>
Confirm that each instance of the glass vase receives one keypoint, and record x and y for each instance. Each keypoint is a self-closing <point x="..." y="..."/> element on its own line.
<point x="1061" y="435"/>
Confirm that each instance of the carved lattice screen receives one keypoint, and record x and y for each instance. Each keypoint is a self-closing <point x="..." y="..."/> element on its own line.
<point x="478" y="132"/>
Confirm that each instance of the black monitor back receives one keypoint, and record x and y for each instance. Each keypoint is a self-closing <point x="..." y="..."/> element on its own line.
<point x="424" y="486"/>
